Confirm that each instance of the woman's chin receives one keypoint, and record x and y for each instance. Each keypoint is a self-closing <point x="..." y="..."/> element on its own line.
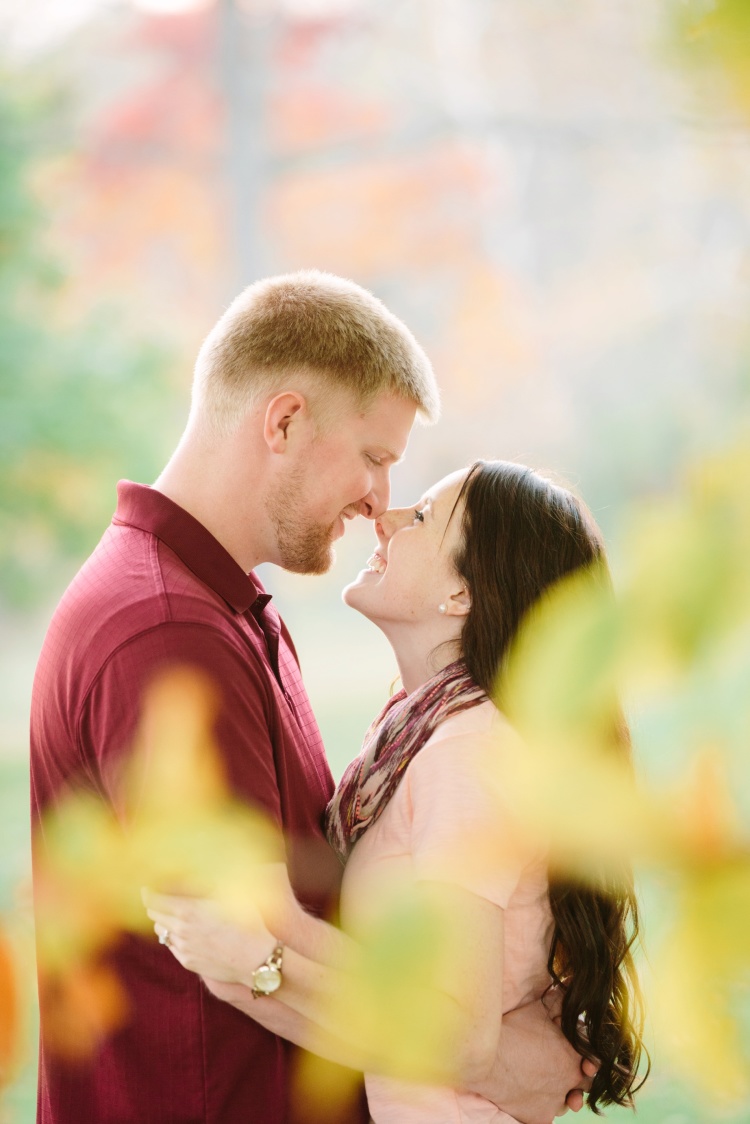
<point x="355" y="594"/>
<point x="350" y="594"/>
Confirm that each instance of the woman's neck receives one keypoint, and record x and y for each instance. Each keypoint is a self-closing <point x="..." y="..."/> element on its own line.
<point x="420" y="657"/>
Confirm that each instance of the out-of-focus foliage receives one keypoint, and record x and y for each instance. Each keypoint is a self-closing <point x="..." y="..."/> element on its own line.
<point x="515" y="179"/>
<point x="571" y="252"/>
<point x="715" y="35"/>
<point x="80" y="403"/>
<point x="176" y="829"/>
<point x="391" y="1002"/>
<point x="677" y="643"/>
<point x="9" y="1011"/>
<point x="390" y="1006"/>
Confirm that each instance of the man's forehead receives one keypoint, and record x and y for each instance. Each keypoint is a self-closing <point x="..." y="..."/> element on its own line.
<point x="389" y="414"/>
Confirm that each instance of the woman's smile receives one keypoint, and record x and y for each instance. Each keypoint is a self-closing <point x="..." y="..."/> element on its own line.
<point x="410" y="571"/>
<point x="376" y="564"/>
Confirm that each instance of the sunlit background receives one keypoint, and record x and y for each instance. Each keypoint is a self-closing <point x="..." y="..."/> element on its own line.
<point x="554" y="196"/>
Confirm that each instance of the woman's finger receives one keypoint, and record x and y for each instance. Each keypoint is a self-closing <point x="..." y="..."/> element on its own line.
<point x="166" y="920"/>
<point x="182" y="905"/>
<point x="167" y="937"/>
<point x="169" y="903"/>
<point x="574" y="1101"/>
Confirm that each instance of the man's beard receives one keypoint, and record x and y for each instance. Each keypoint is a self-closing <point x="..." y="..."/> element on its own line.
<point x="304" y="547"/>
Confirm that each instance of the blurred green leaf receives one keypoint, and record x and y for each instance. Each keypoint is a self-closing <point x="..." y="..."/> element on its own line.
<point x="80" y="405"/>
<point x="715" y="35"/>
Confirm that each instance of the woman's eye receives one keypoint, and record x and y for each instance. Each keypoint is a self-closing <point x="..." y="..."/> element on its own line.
<point x="419" y="515"/>
<point x="374" y="460"/>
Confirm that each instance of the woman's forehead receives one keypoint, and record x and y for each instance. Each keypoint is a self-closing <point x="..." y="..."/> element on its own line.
<point x="446" y="491"/>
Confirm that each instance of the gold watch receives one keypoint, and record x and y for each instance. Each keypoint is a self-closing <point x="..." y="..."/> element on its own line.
<point x="267" y="976"/>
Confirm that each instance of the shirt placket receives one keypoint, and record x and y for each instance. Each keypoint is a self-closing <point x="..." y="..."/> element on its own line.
<point x="266" y="616"/>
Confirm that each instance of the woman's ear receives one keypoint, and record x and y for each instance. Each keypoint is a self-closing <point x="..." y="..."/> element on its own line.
<point x="282" y="413"/>
<point x="458" y="604"/>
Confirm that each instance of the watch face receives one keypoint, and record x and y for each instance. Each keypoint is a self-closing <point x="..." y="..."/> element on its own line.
<point x="267" y="979"/>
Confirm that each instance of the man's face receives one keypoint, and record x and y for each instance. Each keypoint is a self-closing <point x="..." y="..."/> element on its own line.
<point x="345" y="472"/>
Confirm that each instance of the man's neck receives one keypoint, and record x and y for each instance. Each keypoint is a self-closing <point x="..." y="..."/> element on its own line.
<point x="201" y="479"/>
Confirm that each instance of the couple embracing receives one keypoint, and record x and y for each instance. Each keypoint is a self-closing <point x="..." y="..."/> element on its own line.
<point x="304" y="396"/>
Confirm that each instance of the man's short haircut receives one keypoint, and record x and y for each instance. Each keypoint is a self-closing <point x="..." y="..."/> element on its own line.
<point x="308" y="322"/>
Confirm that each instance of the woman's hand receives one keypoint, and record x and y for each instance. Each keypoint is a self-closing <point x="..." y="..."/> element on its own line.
<point x="206" y="942"/>
<point x="240" y="997"/>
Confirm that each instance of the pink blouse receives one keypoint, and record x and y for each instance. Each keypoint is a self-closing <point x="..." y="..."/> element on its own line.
<point x="448" y="822"/>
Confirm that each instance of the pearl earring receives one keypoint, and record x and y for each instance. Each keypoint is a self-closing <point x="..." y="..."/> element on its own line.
<point x="442" y="608"/>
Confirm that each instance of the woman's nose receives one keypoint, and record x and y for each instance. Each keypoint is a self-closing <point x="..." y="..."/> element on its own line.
<point x="380" y="529"/>
<point x="390" y="521"/>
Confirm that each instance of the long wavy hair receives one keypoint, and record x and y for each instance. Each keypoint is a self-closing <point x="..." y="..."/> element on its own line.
<point x="521" y="535"/>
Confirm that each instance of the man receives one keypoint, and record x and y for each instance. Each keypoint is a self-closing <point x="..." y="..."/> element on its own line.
<point x="304" y="396"/>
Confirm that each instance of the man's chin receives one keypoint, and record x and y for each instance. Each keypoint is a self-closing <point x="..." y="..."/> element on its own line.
<point x="312" y="565"/>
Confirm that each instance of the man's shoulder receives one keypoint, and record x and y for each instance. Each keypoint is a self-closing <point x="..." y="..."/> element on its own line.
<point x="130" y="585"/>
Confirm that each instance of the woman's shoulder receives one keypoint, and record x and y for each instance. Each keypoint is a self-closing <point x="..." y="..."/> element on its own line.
<point x="474" y="724"/>
<point x="465" y="745"/>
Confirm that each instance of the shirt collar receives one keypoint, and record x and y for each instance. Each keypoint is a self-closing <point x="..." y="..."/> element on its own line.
<point x="149" y="510"/>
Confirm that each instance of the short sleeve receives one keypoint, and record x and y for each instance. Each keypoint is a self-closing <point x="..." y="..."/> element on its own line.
<point x="112" y="709"/>
<point x="462" y="832"/>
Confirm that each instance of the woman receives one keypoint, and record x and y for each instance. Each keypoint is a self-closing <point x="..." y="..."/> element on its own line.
<point x="449" y="584"/>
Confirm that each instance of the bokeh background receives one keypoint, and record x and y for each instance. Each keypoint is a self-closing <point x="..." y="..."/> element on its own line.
<point x="554" y="196"/>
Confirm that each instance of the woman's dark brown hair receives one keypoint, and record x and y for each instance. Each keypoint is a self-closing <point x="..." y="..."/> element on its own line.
<point x="521" y="535"/>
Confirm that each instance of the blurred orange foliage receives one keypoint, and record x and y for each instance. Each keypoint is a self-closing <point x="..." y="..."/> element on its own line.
<point x="372" y="213"/>
<point x="83" y="1005"/>
<point x="9" y="1011"/>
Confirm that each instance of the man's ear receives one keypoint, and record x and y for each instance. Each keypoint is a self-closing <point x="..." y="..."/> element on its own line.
<point x="282" y="413"/>
<point x="458" y="604"/>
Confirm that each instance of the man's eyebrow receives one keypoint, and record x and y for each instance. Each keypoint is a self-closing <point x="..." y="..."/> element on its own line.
<point x="388" y="454"/>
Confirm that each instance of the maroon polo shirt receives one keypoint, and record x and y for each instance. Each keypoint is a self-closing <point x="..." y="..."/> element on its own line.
<point x="160" y="590"/>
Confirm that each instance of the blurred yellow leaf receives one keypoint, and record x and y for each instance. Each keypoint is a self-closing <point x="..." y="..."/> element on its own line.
<point x="677" y="643"/>
<point x="177" y="828"/>
<point x="717" y="35"/>
<point x="323" y="1093"/>
<point x="392" y="1004"/>
<point x="699" y="976"/>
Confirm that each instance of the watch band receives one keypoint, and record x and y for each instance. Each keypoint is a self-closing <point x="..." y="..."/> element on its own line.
<point x="267" y="977"/>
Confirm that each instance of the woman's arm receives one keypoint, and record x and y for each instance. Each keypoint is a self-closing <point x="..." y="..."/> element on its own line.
<point x="537" y="1074"/>
<point x="287" y="1023"/>
<point x="324" y="972"/>
<point x="533" y="1073"/>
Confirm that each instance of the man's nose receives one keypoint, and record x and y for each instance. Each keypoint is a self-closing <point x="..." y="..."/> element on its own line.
<point x="375" y="503"/>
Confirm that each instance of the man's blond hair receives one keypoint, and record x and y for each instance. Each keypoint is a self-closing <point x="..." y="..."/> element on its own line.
<point x="308" y="322"/>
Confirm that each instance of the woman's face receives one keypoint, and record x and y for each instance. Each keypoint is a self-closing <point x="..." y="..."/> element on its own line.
<point x="411" y="572"/>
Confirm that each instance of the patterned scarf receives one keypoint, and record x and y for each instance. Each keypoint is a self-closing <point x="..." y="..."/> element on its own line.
<point x="393" y="740"/>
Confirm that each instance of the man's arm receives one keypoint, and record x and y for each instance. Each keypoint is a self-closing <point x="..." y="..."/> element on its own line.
<point x="240" y="733"/>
